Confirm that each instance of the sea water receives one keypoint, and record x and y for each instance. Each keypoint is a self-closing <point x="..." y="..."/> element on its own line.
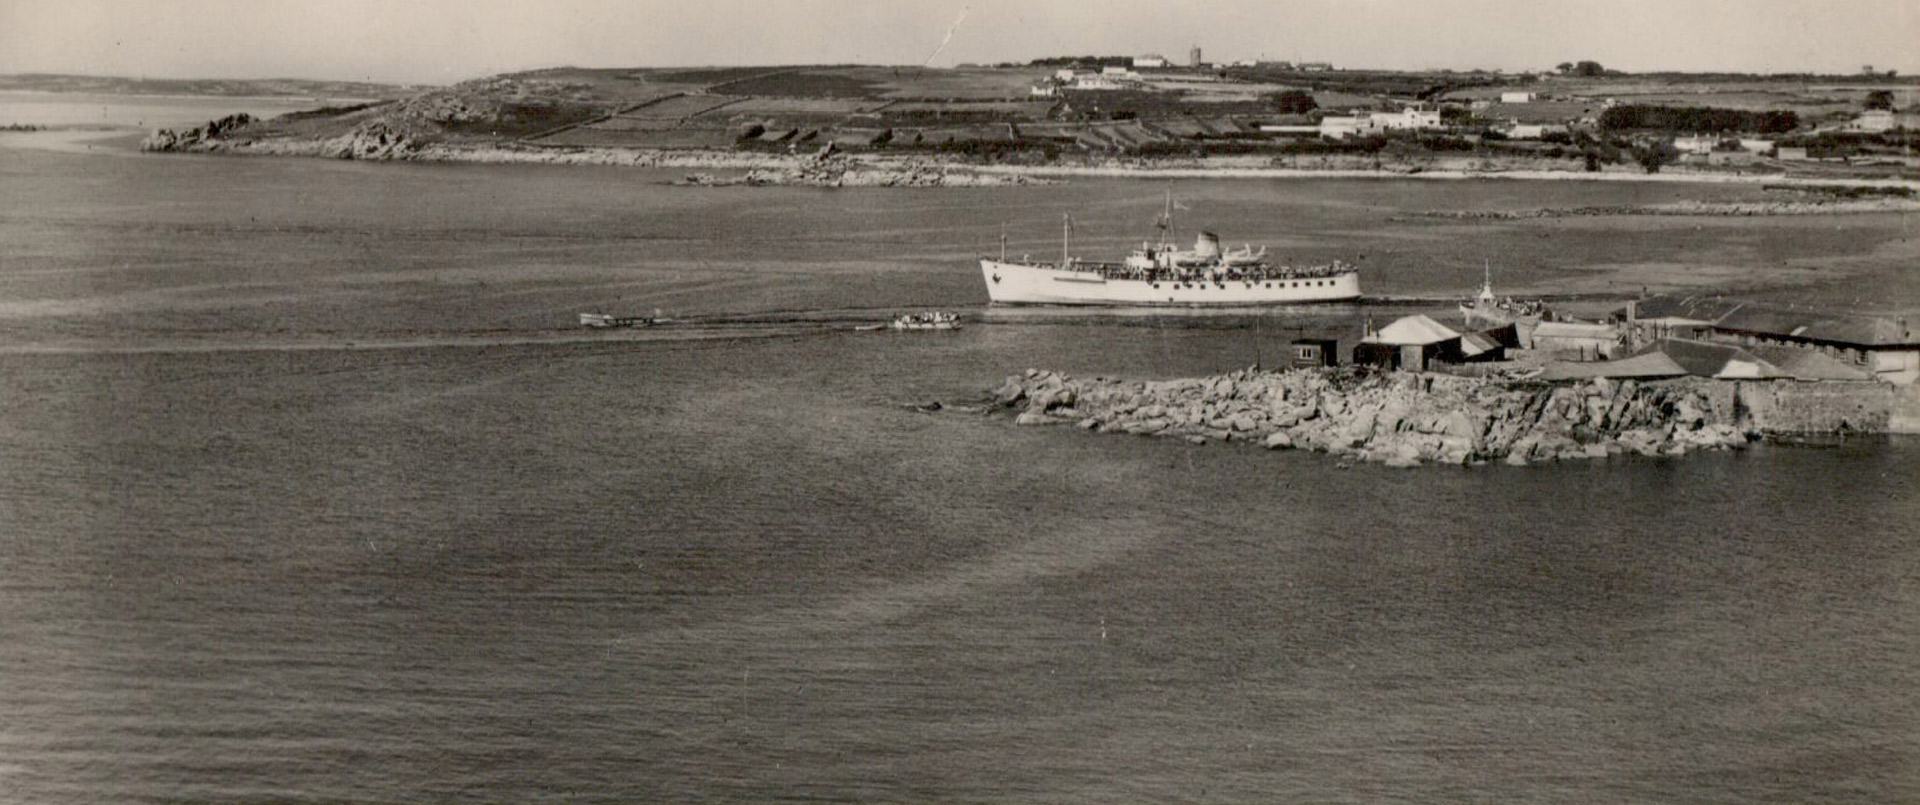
<point x="309" y="490"/>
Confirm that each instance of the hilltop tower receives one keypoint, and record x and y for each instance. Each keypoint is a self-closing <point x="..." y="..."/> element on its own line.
<point x="1193" y="57"/>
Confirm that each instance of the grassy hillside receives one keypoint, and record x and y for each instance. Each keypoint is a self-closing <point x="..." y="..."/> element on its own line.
<point x="993" y="113"/>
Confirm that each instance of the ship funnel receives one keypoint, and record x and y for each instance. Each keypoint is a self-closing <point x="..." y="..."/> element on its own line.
<point x="1207" y="245"/>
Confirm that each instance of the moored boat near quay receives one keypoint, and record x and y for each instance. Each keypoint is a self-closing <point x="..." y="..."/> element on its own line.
<point x="1487" y="311"/>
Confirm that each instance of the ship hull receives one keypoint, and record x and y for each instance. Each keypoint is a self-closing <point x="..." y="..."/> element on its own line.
<point x="1030" y="284"/>
<point x="1478" y="319"/>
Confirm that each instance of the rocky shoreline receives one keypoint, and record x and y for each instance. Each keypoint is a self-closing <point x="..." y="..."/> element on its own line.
<point x="1825" y="206"/>
<point x="373" y="141"/>
<point x="838" y="172"/>
<point x="378" y="141"/>
<point x="1401" y="419"/>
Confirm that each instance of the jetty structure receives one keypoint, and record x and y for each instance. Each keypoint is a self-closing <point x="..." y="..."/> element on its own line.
<point x="1160" y="274"/>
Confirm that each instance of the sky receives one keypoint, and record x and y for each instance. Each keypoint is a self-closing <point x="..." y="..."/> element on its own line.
<point x="443" y="41"/>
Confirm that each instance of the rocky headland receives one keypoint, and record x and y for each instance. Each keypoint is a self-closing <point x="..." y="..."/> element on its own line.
<point x="379" y="141"/>
<point x="1398" y="418"/>
<point x="374" y="141"/>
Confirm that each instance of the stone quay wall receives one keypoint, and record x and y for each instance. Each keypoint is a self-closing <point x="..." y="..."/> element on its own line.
<point x="1790" y="407"/>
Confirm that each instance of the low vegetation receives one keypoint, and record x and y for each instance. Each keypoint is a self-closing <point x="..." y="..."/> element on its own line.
<point x="1635" y="117"/>
<point x="1019" y="113"/>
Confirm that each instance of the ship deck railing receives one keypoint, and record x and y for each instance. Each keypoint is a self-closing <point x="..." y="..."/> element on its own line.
<point x="1251" y="273"/>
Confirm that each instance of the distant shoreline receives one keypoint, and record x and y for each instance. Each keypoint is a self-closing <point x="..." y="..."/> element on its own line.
<point x="957" y="172"/>
<point x="176" y="96"/>
<point x="1123" y="169"/>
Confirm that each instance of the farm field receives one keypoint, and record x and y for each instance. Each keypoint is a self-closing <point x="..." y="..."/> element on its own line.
<point x="991" y="114"/>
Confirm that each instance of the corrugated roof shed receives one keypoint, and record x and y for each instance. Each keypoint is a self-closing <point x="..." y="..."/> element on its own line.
<point x="1706" y="359"/>
<point x="1850" y="328"/>
<point x="1413" y="331"/>
<point x="1807" y="364"/>
<point x="1473" y="344"/>
<point x="1691" y="308"/>
<point x="1752" y="317"/>
<point x="1570" y="329"/>
<point x="1646" y="365"/>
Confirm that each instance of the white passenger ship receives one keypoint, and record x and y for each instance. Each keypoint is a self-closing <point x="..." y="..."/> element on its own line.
<point x="1162" y="275"/>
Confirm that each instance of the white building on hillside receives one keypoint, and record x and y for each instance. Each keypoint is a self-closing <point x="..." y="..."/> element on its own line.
<point x="1516" y="97"/>
<point x="1700" y="144"/>
<point x="1340" y="127"/>
<point x="1406" y="119"/>
<point x="1873" y="120"/>
<point x="1534" y="131"/>
<point x="1097" y="82"/>
<point x="1150" y="60"/>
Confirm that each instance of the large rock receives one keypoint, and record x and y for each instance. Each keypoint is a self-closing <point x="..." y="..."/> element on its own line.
<point x="1392" y="417"/>
<point x="1362" y="420"/>
<point x="204" y="138"/>
<point x="1688" y="415"/>
<point x="1450" y="449"/>
<point x="1458" y="423"/>
<point x="1010" y="392"/>
<point x="1287" y="416"/>
<point x="1036" y="418"/>
<point x="1644" y="441"/>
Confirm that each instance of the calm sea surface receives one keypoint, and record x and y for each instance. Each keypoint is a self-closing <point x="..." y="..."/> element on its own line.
<point x="137" y="111"/>
<point x="310" y="492"/>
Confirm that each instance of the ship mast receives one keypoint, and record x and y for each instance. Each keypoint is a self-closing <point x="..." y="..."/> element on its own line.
<point x="1066" y="238"/>
<point x="1166" y="219"/>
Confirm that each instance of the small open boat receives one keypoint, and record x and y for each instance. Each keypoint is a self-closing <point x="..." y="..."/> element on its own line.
<point x="602" y="320"/>
<point x="930" y="320"/>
